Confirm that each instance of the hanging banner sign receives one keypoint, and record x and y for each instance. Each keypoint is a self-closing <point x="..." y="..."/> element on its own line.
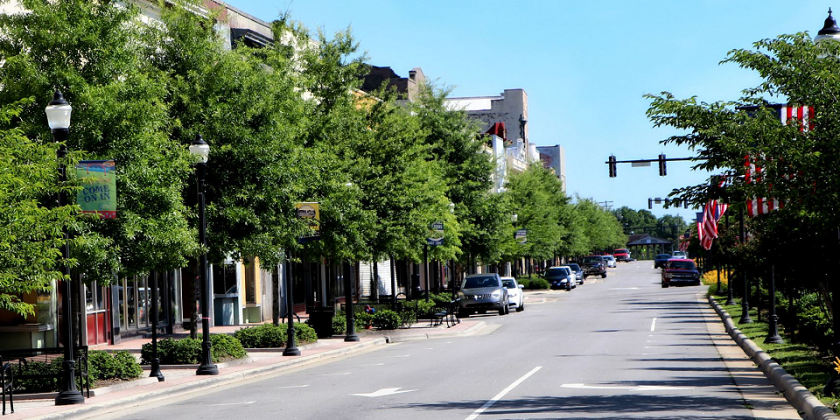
<point x="435" y="234"/>
<point x="521" y="236"/>
<point x="98" y="195"/>
<point x="310" y="212"/>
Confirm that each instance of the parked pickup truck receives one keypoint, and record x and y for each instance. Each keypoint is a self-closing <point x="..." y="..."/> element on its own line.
<point x="622" y="254"/>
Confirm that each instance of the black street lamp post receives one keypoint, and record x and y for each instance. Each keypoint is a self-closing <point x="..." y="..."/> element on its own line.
<point x="155" y="370"/>
<point x="58" y="117"/>
<point x="348" y="301"/>
<point x="773" y="330"/>
<point x="202" y="150"/>
<point x="745" y="304"/>
<point x="291" y="345"/>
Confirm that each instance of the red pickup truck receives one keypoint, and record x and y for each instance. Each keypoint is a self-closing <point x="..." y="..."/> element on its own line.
<point x="622" y="254"/>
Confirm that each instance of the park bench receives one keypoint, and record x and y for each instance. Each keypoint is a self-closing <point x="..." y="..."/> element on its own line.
<point x="447" y="314"/>
<point x="13" y="367"/>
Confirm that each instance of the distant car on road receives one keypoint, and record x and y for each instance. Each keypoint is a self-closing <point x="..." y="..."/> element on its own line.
<point x="578" y="272"/>
<point x="594" y="265"/>
<point x="610" y="260"/>
<point x="561" y="278"/>
<point x="622" y="254"/>
<point x="480" y="292"/>
<point x="680" y="271"/>
<point x="659" y="260"/>
<point x="516" y="298"/>
<point x="678" y="254"/>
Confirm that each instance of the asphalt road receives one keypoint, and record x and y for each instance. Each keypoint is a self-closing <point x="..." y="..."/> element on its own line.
<point x="617" y="348"/>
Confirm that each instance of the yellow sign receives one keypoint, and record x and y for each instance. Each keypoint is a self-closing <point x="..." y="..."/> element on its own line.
<point x="312" y="213"/>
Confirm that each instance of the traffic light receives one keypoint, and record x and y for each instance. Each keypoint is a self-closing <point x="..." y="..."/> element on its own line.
<point x="612" y="166"/>
<point x="662" y="170"/>
<point x="650" y="204"/>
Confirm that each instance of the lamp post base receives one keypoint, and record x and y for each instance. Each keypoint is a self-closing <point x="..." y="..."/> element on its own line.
<point x="70" y="397"/>
<point x="207" y="370"/>
<point x="291" y="351"/>
<point x="155" y="371"/>
<point x="352" y="337"/>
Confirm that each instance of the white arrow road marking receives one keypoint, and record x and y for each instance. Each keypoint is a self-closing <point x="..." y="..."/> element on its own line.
<point x="501" y="395"/>
<point x="293" y="386"/>
<point x="653" y="325"/>
<point x="628" y="388"/>
<point x="383" y="392"/>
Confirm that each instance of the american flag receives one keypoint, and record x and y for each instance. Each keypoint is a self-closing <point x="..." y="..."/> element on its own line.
<point x="714" y="210"/>
<point x="757" y="206"/>
<point x="700" y="236"/>
<point x="684" y="241"/>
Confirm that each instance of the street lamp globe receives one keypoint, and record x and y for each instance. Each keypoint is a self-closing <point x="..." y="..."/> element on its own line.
<point x="199" y="148"/>
<point x="452" y="208"/>
<point x="514" y="217"/>
<point x="829" y="30"/>
<point x="58" y="112"/>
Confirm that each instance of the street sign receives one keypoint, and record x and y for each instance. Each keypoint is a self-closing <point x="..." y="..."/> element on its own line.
<point x="435" y="234"/>
<point x="521" y="236"/>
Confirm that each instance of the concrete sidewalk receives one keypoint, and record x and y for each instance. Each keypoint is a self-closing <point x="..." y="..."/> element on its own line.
<point x="182" y="380"/>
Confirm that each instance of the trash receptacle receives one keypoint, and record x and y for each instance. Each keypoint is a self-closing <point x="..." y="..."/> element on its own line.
<point x="320" y="319"/>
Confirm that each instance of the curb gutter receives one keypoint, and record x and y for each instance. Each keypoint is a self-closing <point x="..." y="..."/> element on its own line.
<point x="796" y="394"/>
<point x="212" y="381"/>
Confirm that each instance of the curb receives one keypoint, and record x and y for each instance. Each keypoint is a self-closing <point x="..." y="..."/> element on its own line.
<point x="796" y="394"/>
<point x="222" y="379"/>
<point x="414" y="337"/>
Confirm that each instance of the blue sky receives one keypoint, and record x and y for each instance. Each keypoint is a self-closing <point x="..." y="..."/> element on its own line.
<point x="584" y="64"/>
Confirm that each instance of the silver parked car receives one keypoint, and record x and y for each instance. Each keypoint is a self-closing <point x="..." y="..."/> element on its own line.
<point x="482" y="292"/>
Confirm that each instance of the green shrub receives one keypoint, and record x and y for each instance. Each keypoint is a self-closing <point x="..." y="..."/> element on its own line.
<point x="38" y="368"/>
<point x="441" y="300"/>
<point x="408" y="317"/>
<point x="386" y="320"/>
<point x="537" y="284"/>
<point x="339" y="324"/>
<point x="120" y="365"/>
<point x="305" y="334"/>
<point x="363" y="319"/>
<point x="227" y="347"/>
<point x="187" y="351"/>
<point x="262" y="336"/>
<point x="270" y="336"/>
<point x="815" y="327"/>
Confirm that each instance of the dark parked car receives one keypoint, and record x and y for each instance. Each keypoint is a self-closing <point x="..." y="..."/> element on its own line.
<point x="680" y="271"/>
<point x="594" y="265"/>
<point x="578" y="272"/>
<point x="560" y="278"/>
<point x="480" y="292"/>
<point x="659" y="260"/>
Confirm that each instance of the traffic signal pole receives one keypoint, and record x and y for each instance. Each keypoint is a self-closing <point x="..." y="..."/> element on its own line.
<point x="661" y="160"/>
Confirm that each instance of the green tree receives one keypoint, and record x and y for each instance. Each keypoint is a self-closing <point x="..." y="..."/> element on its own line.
<point x="99" y="61"/>
<point x="539" y="199"/>
<point x="31" y="231"/>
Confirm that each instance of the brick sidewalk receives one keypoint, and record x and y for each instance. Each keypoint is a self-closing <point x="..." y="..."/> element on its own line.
<point x="181" y="380"/>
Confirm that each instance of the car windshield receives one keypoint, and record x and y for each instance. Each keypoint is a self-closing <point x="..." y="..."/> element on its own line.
<point x="478" y="282"/>
<point x="609" y="257"/>
<point x="592" y="260"/>
<point x="557" y="272"/>
<point x="510" y="284"/>
<point x="682" y="265"/>
<point x="574" y="267"/>
<point x="663" y="256"/>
